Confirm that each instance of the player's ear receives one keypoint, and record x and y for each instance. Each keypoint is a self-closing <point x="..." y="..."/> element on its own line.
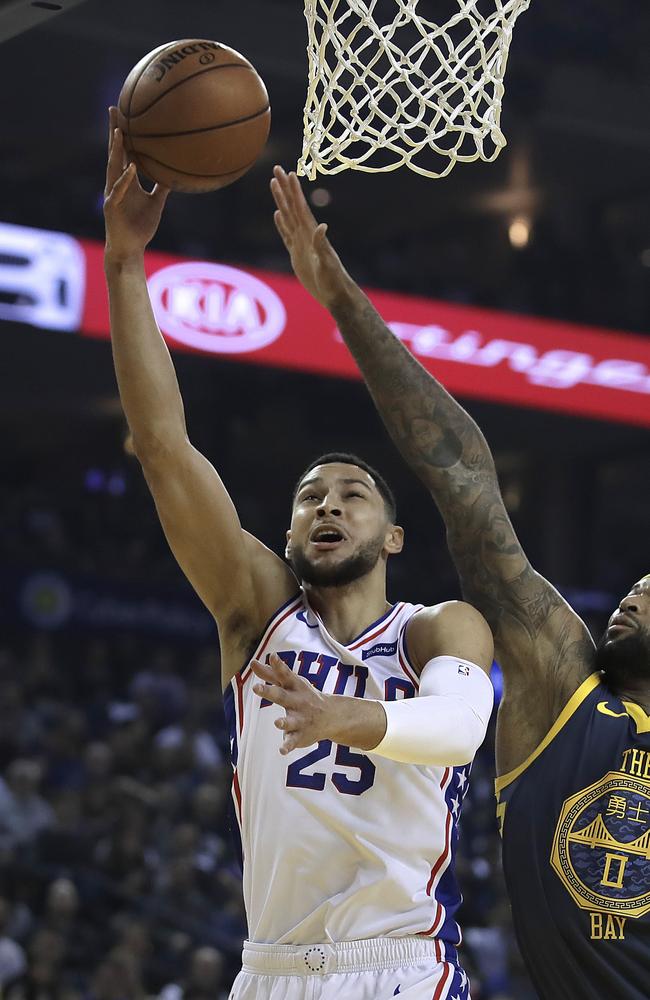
<point x="287" y="548"/>
<point x="394" y="540"/>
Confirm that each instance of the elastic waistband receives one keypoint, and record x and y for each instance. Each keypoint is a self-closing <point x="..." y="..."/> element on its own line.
<point x="370" y="955"/>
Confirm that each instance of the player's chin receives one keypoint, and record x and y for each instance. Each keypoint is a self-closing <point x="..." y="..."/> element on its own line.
<point x="327" y="557"/>
<point x="617" y="634"/>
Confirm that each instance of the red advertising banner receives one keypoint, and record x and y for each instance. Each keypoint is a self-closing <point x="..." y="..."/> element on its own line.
<point x="55" y="281"/>
<point x="269" y="319"/>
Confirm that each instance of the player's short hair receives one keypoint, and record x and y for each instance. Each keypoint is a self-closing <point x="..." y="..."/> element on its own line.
<point x="347" y="459"/>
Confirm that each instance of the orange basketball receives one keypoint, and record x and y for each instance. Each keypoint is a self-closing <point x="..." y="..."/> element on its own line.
<point x="195" y="115"/>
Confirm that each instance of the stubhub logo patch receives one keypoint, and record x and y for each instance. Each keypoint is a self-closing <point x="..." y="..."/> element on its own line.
<point x="381" y="649"/>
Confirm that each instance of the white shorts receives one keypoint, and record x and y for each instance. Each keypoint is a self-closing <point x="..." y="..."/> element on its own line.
<point x="410" y="968"/>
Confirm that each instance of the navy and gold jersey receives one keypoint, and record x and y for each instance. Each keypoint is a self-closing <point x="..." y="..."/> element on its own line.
<point x="576" y="850"/>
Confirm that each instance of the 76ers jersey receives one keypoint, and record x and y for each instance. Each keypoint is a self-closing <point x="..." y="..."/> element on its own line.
<point x="337" y="844"/>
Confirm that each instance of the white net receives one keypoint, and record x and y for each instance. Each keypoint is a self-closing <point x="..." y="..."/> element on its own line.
<point x="388" y="87"/>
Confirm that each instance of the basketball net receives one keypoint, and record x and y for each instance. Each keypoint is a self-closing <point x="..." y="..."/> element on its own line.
<point x="389" y="88"/>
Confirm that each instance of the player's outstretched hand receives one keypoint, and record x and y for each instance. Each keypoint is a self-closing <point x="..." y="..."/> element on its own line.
<point x="315" y="262"/>
<point x="306" y="710"/>
<point x="131" y="214"/>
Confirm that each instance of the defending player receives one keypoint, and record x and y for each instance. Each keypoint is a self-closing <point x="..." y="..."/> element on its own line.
<point x="347" y="787"/>
<point x="573" y="734"/>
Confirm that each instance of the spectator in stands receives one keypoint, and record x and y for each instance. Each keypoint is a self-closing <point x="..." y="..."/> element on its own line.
<point x="117" y="977"/>
<point x="203" y="979"/>
<point x="24" y="813"/>
<point x="12" y="957"/>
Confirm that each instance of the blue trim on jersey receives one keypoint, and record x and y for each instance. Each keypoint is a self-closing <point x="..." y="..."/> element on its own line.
<point x="405" y="648"/>
<point x="231" y="723"/>
<point x="370" y="627"/>
<point x="235" y="836"/>
<point x="302" y="617"/>
<point x="231" y="729"/>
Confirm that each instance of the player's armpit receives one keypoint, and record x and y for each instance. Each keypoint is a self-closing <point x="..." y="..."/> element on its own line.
<point x="240" y="581"/>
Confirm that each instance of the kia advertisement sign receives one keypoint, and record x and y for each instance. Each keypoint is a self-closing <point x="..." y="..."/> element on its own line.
<point x="56" y="282"/>
<point x="216" y="309"/>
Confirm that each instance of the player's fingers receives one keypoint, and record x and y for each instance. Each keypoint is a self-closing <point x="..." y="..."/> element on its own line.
<point x="296" y="197"/>
<point x="119" y="189"/>
<point x="118" y="146"/>
<point x="320" y="241"/>
<point x="281" y="672"/>
<point x="274" y="694"/>
<point x="116" y="161"/>
<point x="282" y="229"/>
<point x="160" y="194"/>
<point x="282" y="205"/>
<point x="281" y="191"/>
<point x="288" y="723"/>
<point x="289" y="743"/>
<point x="112" y="125"/>
<point x="324" y="249"/>
<point x="263" y="670"/>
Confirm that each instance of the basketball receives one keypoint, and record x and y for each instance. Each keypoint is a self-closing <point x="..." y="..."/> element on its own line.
<point x="195" y="115"/>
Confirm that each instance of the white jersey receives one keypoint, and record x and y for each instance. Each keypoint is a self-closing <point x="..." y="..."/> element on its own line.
<point x="339" y="845"/>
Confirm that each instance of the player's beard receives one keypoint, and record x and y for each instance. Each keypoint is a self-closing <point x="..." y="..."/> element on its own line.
<point x="359" y="564"/>
<point x="624" y="659"/>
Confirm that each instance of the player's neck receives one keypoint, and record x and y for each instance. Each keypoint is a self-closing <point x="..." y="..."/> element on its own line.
<point x="636" y="691"/>
<point x="347" y="611"/>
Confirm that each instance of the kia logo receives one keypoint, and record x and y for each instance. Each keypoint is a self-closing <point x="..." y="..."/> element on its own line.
<point x="216" y="308"/>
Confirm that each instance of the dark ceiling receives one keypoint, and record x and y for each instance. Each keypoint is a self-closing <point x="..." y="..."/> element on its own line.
<point x="575" y="113"/>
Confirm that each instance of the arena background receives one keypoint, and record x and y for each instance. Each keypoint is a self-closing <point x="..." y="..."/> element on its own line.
<point x="118" y="879"/>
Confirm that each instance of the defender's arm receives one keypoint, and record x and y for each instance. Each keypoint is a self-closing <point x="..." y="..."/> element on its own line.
<point x="539" y="638"/>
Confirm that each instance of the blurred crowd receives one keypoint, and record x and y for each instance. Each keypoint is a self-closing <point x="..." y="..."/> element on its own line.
<point x="117" y="875"/>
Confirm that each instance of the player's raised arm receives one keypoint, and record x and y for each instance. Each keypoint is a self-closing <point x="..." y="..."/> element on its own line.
<point x="535" y="630"/>
<point x="239" y="580"/>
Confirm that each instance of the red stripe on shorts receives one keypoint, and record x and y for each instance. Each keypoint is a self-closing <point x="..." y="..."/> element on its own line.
<point x="444" y="982"/>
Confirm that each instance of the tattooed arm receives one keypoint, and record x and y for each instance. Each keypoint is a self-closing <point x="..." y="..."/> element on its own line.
<point x="541" y="643"/>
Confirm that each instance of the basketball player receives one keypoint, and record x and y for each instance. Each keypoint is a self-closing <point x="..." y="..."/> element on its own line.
<point x="573" y="734"/>
<point x="353" y="721"/>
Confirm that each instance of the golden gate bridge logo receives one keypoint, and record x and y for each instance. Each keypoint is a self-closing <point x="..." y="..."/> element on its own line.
<point x="597" y="835"/>
<point x="596" y="854"/>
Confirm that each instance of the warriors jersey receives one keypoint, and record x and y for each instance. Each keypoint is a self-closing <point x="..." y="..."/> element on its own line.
<point x="337" y="844"/>
<point x="576" y="851"/>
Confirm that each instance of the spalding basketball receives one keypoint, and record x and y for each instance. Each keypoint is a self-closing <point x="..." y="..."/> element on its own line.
<point x="195" y="115"/>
